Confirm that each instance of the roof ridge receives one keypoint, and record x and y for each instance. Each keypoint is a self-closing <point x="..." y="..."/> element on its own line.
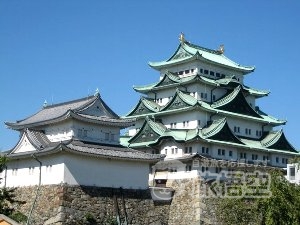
<point x="70" y="102"/>
<point x="227" y="98"/>
<point x="202" y="48"/>
<point x="277" y="134"/>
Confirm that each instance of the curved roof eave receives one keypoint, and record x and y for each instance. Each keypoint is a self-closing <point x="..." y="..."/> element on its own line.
<point x="165" y="64"/>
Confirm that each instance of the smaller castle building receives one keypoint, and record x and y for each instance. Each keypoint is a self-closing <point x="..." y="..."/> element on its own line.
<point x="75" y="143"/>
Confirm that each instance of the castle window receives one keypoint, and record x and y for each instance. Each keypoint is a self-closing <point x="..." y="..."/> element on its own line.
<point x="84" y="133"/>
<point x="204" y="95"/>
<point x="112" y="137"/>
<point x="79" y="132"/>
<point x="230" y="153"/>
<point x="173" y="125"/>
<point x="218" y="74"/>
<point x="186" y="71"/>
<point x="15" y="171"/>
<point x="199" y="123"/>
<point x="48" y="168"/>
<point x="237" y="129"/>
<point x="277" y="160"/>
<point x="203" y="169"/>
<point x="248" y="131"/>
<point x="185" y="123"/>
<point x="166" y="151"/>
<point x="243" y="155"/>
<point x="205" y="150"/>
<point x="254" y="157"/>
<point x="201" y="70"/>
<point x="214" y="98"/>
<point x="174" y="150"/>
<point x="292" y="173"/>
<point x="192" y="70"/>
<point x="31" y="170"/>
<point x="188" y="168"/>
<point x="212" y="73"/>
<point x="205" y="71"/>
<point x="221" y="151"/>
<point x="265" y="157"/>
<point x="218" y="169"/>
<point x="173" y="170"/>
<point x="180" y="72"/>
<point x="106" y="136"/>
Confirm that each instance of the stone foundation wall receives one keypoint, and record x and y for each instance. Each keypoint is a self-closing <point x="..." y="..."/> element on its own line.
<point x="185" y="206"/>
<point x="92" y="205"/>
<point x="63" y="204"/>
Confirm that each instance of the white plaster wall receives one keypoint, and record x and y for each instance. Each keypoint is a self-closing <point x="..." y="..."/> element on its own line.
<point x="96" y="133"/>
<point x="60" y="132"/>
<point x="20" y="174"/>
<point x="243" y="124"/>
<point x="105" y="173"/>
<point x="190" y="116"/>
<point x="89" y="132"/>
<point x="77" y="170"/>
<point x="166" y="148"/>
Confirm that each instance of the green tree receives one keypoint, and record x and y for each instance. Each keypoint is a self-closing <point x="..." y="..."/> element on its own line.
<point x="281" y="208"/>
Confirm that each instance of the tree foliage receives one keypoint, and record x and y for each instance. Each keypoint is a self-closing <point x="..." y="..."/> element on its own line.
<point x="281" y="208"/>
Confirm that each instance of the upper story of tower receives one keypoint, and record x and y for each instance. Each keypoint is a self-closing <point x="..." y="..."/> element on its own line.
<point x="190" y="59"/>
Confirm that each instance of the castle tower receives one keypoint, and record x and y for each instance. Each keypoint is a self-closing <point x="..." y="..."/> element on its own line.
<point x="201" y="108"/>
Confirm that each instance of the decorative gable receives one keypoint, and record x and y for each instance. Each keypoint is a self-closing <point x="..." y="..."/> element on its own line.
<point x="181" y="53"/>
<point x="146" y="134"/>
<point x="24" y="145"/>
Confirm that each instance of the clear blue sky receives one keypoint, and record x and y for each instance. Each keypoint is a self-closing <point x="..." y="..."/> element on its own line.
<point x="62" y="50"/>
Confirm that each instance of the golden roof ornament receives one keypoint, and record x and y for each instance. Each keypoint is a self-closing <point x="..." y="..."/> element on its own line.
<point x="221" y="49"/>
<point x="181" y="37"/>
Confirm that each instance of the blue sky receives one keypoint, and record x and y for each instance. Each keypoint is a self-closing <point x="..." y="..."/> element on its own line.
<point x="63" y="50"/>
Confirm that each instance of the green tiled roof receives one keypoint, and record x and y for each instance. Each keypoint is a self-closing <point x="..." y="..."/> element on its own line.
<point x="171" y="80"/>
<point x="218" y="132"/>
<point x="184" y="102"/>
<point x="144" y="106"/>
<point x="188" y="52"/>
<point x="235" y="102"/>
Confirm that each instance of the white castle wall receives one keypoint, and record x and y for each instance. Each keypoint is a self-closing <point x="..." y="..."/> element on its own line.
<point x="77" y="170"/>
<point x="83" y="131"/>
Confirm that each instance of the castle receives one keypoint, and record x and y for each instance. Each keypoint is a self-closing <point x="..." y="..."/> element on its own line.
<point x="201" y="108"/>
<point x="71" y="160"/>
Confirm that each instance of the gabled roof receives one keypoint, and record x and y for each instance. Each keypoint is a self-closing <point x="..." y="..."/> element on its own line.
<point x="145" y="105"/>
<point x="149" y="132"/>
<point x="235" y="102"/>
<point x="277" y="140"/>
<point x="187" y="52"/>
<point x="171" y="80"/>
<point x="219" y="130"/>
<point x="180" y="100"/>
<point x="93" y="109"/>
<point x="43" y="146"/>
<point x="153" y="133"/>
